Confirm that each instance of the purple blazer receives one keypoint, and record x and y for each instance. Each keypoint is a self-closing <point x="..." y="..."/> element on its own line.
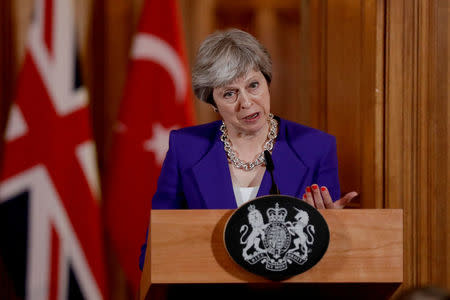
<point x="195" y="173"/>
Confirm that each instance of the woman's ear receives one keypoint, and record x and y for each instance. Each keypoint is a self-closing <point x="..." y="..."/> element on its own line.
<point x="214" y="108"/>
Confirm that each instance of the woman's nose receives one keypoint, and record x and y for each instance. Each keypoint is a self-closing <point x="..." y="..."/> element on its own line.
<point x="244" y="100"/>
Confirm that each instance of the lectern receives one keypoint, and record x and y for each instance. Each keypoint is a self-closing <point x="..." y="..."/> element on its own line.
<point x="365" y="254"/>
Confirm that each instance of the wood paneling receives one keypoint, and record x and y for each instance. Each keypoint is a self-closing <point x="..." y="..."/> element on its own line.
<point x="341" y="81"/>
<point x="343" y="84"/>
<point x="312" y="79"/>
<point x="372" y="104"/>
<point x="21" y="16"/>
<point x="198" y="19"/>
<point x="417" y="126"/>
<point x="438" y="142"/>
<point x="434" y="132"/>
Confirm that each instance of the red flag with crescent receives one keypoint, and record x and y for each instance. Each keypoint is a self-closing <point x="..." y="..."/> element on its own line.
<point x="157" y="99"/>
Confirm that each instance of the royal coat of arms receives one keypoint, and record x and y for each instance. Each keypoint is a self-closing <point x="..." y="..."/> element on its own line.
<point x="278" y="242"/>
<point x="276" y="236"/>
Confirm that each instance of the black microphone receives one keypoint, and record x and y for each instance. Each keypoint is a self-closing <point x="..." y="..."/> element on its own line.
<point x="270" y="166"/>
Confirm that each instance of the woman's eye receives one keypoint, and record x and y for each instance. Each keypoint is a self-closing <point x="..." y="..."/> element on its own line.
<point x="254" y="84"/>
<point x="228" y="94"/>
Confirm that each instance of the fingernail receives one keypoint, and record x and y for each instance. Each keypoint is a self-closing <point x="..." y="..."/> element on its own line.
<point x="308" y="189"/>
<point x="304" y="196"/>
<point x="323" y="189"/>
<point x="315" y="187"/>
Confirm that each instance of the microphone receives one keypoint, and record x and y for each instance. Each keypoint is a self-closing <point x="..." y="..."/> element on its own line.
<point x="270" y="167"/>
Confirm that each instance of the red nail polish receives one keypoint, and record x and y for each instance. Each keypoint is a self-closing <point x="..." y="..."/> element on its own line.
<point x="315" y="187"/>
<point x="304" y="196"/>
<point x="308" y="189"/>
<point x="323" y="189"/>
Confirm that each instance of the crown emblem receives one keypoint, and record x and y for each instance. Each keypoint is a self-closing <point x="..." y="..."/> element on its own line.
<point x="276" y="214"/>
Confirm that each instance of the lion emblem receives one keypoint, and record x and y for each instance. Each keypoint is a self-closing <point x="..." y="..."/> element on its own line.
<point x="257" y="234"/>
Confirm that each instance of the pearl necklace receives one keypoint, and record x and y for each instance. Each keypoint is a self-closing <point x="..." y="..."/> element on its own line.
<point x="268" y="145"/>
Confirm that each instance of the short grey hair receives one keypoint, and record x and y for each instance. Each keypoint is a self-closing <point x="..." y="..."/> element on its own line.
<point x="225" y="56"/>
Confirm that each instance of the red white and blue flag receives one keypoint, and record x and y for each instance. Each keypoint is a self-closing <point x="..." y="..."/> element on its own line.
<point x="157" y="99"/>
<point x="50" y="227"/>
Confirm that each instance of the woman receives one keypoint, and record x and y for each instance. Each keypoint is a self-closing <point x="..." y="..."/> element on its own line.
<point x="221" y="164"/>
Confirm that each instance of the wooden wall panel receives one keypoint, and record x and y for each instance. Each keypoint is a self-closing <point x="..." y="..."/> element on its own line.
<point x="343" y="63"/>
<point x="372" y="104"/>
<point x="21" y="16"/>
<point x="342" y="44"/>
<point x="198" y="19"/>
<point x="312" y="79"/>
<point x="436" y="121"/>
<point x="401" y="125"/>
<point x="435" y="172"/>
<point x="417" y="126"/>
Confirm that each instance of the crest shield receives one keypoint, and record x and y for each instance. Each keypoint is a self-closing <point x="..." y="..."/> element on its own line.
<point x="276" y="236"/>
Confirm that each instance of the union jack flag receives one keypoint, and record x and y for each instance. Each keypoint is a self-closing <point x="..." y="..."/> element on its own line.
<point x="50" y="229"/>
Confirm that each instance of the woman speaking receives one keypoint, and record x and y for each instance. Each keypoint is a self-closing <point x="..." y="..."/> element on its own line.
<point x="221" y="165"/>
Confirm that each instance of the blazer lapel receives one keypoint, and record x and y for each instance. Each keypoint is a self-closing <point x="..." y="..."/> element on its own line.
<point x="213" y="178"/>
<point x="289" y="172"/>
<point x="266" y="183"/>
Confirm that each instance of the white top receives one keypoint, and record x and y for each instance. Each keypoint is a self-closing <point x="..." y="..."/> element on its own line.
<point x="244" y="194"/>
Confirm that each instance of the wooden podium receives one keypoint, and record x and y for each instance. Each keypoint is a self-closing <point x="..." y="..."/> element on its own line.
<point x="186" y="247"/>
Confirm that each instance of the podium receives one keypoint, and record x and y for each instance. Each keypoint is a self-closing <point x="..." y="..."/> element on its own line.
<point x="365" y="254"/>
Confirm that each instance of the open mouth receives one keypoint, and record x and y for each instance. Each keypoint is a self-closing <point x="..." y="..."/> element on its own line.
<point x="252" y="116"/>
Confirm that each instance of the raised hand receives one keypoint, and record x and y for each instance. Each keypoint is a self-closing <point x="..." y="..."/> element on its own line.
<point x="319" y="197"/>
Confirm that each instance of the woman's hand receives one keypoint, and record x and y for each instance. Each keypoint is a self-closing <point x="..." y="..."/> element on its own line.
<point x="320" y="197"/>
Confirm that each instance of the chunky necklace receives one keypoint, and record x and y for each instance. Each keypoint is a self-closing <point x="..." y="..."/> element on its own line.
<point x="268" y="145"/>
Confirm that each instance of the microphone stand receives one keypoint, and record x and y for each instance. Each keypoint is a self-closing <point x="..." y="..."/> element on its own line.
<point x="270" y="167"/>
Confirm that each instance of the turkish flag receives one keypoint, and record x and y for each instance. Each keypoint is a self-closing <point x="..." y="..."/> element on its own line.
<point x="156" y="100"/>
<point x="50" y="223"/>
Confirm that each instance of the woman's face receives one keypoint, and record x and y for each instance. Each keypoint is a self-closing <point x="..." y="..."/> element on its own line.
<point x="244" y="104"/>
